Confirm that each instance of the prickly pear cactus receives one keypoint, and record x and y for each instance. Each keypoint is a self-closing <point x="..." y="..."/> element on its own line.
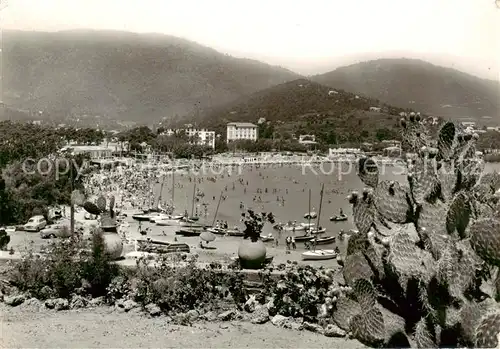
<point x="363" y="210"/>
<point x="426" y="245"/>
<point x="368" y="172"/>
<point x="393" y="202"/>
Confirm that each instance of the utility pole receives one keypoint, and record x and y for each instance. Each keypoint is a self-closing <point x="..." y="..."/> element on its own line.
<point x="72" y="204"/>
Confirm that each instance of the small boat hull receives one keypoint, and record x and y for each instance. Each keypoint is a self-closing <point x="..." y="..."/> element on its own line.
<point x="325" y="240"/>
<point x="338" y="219"/>
<point x="167" y="222"/>
<point x="294" y="228"/>
<point x="188" y="232"/>
<point x="234" y="233"/>
<point x="190" y="224"/>
<point x="319" y="255"/>
<point x="141" y="217"/>
<point x="303" y="238"/>
<point x="217" y="231"/>
<point x="317" y="231"/>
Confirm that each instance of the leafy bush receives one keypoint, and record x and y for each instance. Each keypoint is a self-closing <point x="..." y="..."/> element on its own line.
<point x="302" y="292"/>
<point x="68" y="266"/>
<point x="178" y="286"/>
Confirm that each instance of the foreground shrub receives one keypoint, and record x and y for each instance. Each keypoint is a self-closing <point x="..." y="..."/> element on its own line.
<point x="302" y="292"/>
<point x="67" y="266"/>
<point x="177" y="285"/>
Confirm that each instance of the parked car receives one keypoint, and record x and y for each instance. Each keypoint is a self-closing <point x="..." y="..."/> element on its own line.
<point x="59" y="230"/>
<point x="35" y="223"/>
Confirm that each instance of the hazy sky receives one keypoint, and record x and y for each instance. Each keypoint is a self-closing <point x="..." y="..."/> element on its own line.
<point x="308" y="36"/>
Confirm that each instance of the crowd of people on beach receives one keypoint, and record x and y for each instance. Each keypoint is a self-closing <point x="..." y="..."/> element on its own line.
<point x="135" y="187"/>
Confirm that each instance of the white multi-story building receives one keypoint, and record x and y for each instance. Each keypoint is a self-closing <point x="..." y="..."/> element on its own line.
<point x="241" y="131"/>
<point x="200" y="137"/>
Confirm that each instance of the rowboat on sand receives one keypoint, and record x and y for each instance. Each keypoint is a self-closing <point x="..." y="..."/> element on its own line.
<point x="319" y="255"/>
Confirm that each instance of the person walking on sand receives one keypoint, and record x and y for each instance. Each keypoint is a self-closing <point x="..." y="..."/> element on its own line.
<point x="294" y="245"/>
<point x="288" y="242"/>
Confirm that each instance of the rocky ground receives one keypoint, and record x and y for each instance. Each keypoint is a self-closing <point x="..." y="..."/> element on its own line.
<point x="33" y="324"/>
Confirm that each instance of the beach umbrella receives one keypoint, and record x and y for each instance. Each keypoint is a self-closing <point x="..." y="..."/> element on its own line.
<point x="207" y="236"/>
<point x="91" y="208"/>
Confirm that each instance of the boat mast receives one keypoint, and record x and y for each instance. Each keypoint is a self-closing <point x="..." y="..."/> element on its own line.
<point x="320" y="205"/>
<point x="161" y="191"/>
<point x="173" y="183"/>
<point x="192" y="204"/>
<point x="217" y="209"/>
<point x="309" y="212"/>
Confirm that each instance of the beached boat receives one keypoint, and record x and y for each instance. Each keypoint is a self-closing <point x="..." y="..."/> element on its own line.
<point x="234" y="232"/>
<point x="144" y="217"/>
<point x="293" y="227"/>
<point x="189" y="232"/>
<point x="189" y="224"/>
<point x="307" y="225"/>
<point x="267" y="238"/>
<point x="316" y="231"/>
<point x="326" y="240"/>
<point x="310" y="215"/>
<point x="164" y="216"/>
<point x="319" y="255"/>
<point x="340" y="218"/>
<point x="303" y="238"/>
<point x="217" y="230"/>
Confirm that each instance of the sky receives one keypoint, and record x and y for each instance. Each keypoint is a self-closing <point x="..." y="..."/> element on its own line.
<point x="307" y="36"/>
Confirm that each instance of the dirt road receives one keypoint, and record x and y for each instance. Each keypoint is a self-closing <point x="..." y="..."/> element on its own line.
<point x="29" y="326"/>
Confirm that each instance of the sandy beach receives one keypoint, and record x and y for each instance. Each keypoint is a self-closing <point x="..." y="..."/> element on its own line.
<point x="30" y="326"/>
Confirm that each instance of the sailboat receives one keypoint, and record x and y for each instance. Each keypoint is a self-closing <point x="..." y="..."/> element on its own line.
<point x="188" y="222"/>
<point x="170" y="219"/>
<point x="320" y="254"/>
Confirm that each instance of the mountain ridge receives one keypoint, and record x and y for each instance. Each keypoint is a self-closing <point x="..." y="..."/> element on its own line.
<point x="417" y="84"/>
<point x="124" y="75"/>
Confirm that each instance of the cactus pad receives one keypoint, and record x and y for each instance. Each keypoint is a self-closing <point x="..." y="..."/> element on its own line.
<point x="407" y="259"/>
<point x="345" y="310"/>
<point x="392" y="201"/>
<point x="470" y="318"/>
<point x="423" y="180"/>
<point x="492" y="180"/>
<point x="112" y="202"/>
<point x="463" y="272"/>
<point x="363" y="211"/>
<point x="356" y="267"/>
<point x="365" y="293"/>
<point x="368" y="327"/>
<point x="414" y="134"/>
<point x="485" y="239"/>
<point x="423" y="337"/>
<point x="432" y="217"/>
<point x="368" y="172"/>
<point x="459" y="215"/>
<point x="487" y="331"/>
<point x="446" y="140"/>
<point x="447" y="177"/>
<point x="357" y="243"/>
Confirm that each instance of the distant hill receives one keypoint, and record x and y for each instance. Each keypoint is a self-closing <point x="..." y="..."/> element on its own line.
<point x="305" y="106"/>
<point x="139" y="77"/>
<point x="410" y="83"/>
